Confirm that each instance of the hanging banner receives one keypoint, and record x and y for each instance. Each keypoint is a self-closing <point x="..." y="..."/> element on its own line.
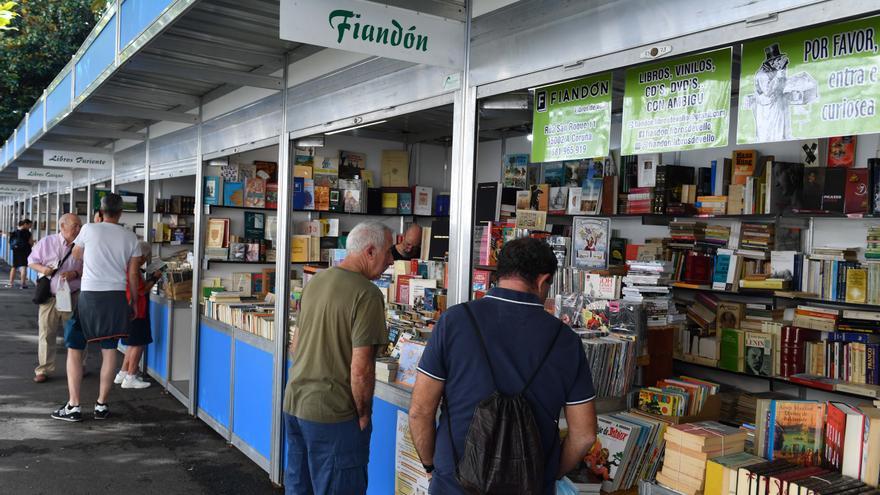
<point x="816" y="83"/>
<point x="376" y="29"/>
<point x="677" y="104"/>
<point x="47" y="174"/>
<point x="15" y="188"/>
<point x="572" y="120"/>
<point x="73" y="159"/>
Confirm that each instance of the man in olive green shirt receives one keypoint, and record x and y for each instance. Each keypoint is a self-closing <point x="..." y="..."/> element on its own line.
<point x="329" y="398"/>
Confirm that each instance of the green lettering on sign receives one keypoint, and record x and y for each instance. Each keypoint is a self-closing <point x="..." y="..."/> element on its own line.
<point x="395" y="35"/>
<point x="572" y="120"/>
<point x="677" y="104"/>
<point x="811" y="84"/>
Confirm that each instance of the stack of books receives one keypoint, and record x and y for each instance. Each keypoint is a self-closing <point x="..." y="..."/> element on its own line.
<point x="816" y="318"/>
<point x="689" y="446"/>
<point x="784" y="477"/>
<point x="757" y="240"/>
<point x="628" y="448"/>
<point x="872" y="247"/>
<point x="717" y="235"/>
<point x="386" y="369"/>
<point x="647" y="282"/>
<point x="721" y="472"/>
<point x="711" y="205"/>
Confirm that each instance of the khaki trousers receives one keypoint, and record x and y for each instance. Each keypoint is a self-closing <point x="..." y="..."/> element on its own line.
<point x="51" y="321"/>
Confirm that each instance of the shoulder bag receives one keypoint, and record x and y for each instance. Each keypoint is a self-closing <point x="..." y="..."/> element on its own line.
<point x="43" y="290"/>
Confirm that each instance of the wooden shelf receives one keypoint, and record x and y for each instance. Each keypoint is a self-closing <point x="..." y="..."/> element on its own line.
<point x="230" y="207"/>
<point x="485" y="267"/>
<point x="766" y="293"/>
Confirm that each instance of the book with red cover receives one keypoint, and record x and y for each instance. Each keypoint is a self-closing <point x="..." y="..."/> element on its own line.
<point x="855" y="196"/>
<point x="271" y="194"/>
<point x="698" y="268"/>
<point x="841" y="151"/>
<point x="792" y="341"/>
<point x="402" y="296"/>
<point x="835" y="428"/>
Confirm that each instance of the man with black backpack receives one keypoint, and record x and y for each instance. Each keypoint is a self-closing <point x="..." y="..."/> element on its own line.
<point x="505" y="369"/>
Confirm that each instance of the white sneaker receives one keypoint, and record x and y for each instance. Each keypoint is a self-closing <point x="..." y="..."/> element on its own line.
<point x="120" y="377"/>
<point x="134" y="381"/>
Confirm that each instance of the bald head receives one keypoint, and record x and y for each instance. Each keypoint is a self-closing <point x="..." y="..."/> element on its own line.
<point x="70" y="225"/>
<point x="412" y="240"/>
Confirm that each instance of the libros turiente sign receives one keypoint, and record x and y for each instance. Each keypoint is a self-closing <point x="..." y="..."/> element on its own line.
<point x="374" y="29"/>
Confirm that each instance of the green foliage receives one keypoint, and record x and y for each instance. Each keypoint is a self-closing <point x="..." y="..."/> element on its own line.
<point x="46" y="35"/>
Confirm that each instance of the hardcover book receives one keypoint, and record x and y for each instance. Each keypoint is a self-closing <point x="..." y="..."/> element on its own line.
<point x="856" y="197"/>
<point x="267" y="171"/>
<point x="272" y="195"/>
<point x="233" y="194"/>
<point x="422" y="200"/>
<point x="395" y="168"/>
<point x="351" y="164"/>
<point x="254" y="225"/>
<point x="590" y="240"/>
<point x="834" y="190"/>
<point x="842" y="151"/>
<point x="213" y="190"/>
<point x="404" y="203"/>
<point x="255" y="193"/>
<point x="514" y="173"/>
<point x="554" y="174"/>
<point x="795" y="431"/>
<point x="744" y="163"/>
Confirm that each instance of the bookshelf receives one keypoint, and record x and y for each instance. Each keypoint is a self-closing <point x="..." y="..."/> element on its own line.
<point x="772" y="379"/>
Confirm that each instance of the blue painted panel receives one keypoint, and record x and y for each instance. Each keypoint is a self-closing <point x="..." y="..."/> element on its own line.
<point x="19" y="139"/>
<point x="382" y="446"/>
<point x="252" y="403"/>
<point x="157" y="351"/>
<point x="136" y="16"/>
<point x="215" y="350"/>
<point x="97" y="57"/>
<point x="35" y="121"/>
<point x="283" y="428"/>
<point x="59" y="99"/>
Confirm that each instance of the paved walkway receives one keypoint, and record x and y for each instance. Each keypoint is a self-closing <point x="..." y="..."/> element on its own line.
<point x="149" y="445"/>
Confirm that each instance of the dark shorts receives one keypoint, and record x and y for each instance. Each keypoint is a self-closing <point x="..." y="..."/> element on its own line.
<point x="103" y="314"/>
<point x="328" y="458"/>
<point x="139" y="333"/>
<point x="74" y="338"/>
<point x="20" y="256"/>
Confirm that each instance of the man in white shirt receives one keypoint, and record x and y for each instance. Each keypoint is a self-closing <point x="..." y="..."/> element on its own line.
<point x="111" y="260"/>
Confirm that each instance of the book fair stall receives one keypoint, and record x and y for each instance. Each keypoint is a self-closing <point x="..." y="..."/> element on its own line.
<point x="710" y="186"/>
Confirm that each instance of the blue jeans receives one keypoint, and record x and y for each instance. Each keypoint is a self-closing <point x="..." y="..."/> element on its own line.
<point x="326" y="458"/>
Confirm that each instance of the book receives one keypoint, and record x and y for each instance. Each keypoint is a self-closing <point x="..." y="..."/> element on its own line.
<point x="590" y="242"/>
<point x="855" y="196"/>
<point x="218" y="233"/>
<point x="325" y="172"/>
<point x="612" y="448"/>
<point x="834" y="190"/>
<point x="272" y="195"/>
<point x="871" y="447"/>
<point x="299" y="197"/>
<point x="404" y="203"/>
<point x="308" y="194"/>
<point x="487" y="203"/>
<point x="795" y="431"/>
<point x="647" y="170"/>
<point x="247" y="171"/>
<point x="554" y="174"/>
<point x="395" y="168"/>
<point x="785" y="187"/>
<point x="842" y="151"/>
<point x="574" y="201"/>
<point x="758" y="354"/>
<point x="255" y="193"/>
<point x="268" y="171"/>
<point x="744" y="163"/>
<point x="417" y="289"/>
<point x="233" y="194"/>
<point x="531" y="219"/>
<point x="539" y="197"/>
<point x="351" y="164"/>
<point x="513" y="171"/>
<point x="422" y="200"/>
<point x="254" y="225"/>
<point x="523" y="200"/>
<point x="322" y="198"/>
<point x="229" y="173"/>
<point x="557" y="201"/>
<point x="852" y="440"/>
<point x="213" y="190"/>
<point x="856" y="285"/>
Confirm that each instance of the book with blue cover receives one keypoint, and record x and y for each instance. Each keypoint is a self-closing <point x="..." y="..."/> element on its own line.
<point x="233" y="194"/>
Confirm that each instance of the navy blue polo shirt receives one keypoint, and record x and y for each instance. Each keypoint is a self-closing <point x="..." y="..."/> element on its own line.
<point x="518" y="332"/>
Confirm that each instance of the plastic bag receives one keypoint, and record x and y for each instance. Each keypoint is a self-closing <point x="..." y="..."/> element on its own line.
<point x="565" y="487"/>
<point x="63" y="299"/>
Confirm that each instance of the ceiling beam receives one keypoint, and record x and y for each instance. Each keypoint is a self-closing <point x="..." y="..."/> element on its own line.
<point x="65" y="130"/>
<point x="48" y="144"/>
<point x="203" y="73"/>
<point x="177" y="44"/>
<point x="122" y="110"/>
<point x="132" y="92"/>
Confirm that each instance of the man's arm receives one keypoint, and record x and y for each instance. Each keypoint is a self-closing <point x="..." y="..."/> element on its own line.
<point x="78" y="252"/>
<point x="134" y="277"/>
<point x="422" y="415"/>
<point x="581" y="419"/>
<point x="363" y="382"/>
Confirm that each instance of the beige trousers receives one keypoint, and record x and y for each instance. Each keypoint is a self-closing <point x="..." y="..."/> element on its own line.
<point x="51" y="322"/>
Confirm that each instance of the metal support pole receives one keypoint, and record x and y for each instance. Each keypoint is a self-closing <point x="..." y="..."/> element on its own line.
<point x="36" y="218"/>
<point x="113" y="167"/>
<point x="198" y="235"/>
<point x="57" y="207"/>
<point x="462" y="185"/>
<point x="89" y="202"/>
<point x="71" y="208"/>
<point x="282" y="282"/>
<point x="148" y="190"/>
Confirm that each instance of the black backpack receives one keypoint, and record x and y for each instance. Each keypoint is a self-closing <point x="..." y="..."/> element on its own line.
<point x="17" y="242"/>
<point x="503" y="453"/>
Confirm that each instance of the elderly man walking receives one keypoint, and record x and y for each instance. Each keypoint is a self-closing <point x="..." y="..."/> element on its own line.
<point x="111" y="261"/>
<point x="328" y="401"/>
<point x="52" y="258"/>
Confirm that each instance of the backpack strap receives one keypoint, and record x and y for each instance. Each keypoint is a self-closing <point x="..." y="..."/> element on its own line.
<point x="63" y="260"/>
<point x="467" y="309"/>
<point x="544" y="359"/>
